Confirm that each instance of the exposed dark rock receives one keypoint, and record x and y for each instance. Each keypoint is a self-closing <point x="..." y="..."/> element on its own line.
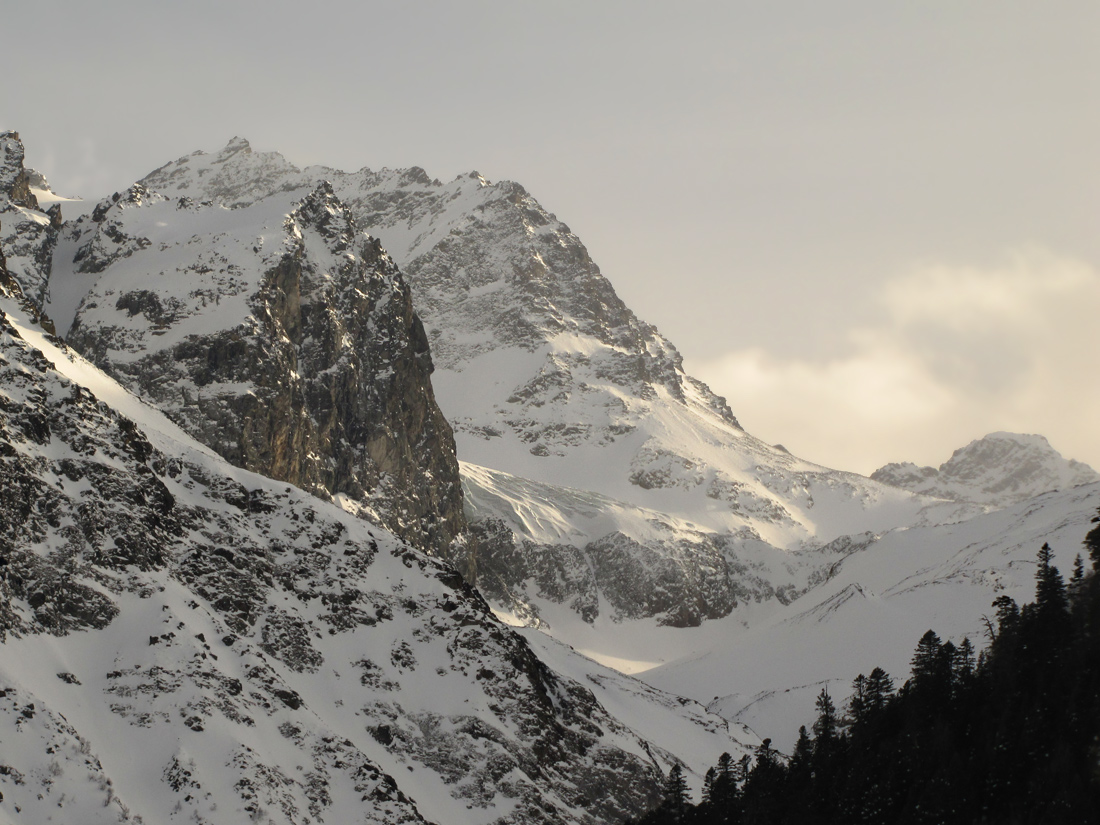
<point x="15" y="183"/>
<point x="27" y="235"/>
<point x="324" y="385"/>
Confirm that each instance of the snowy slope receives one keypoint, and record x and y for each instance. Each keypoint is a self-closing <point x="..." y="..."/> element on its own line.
<point x="997" y="470"/>
<point x="874" y="610"/>
<point x="182" y="640"/>
<point x="549" y="379"/>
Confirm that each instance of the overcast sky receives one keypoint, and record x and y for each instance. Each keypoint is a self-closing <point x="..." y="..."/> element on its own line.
<point x="871" y="226"/>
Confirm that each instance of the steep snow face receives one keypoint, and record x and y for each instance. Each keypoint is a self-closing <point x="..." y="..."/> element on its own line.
<point x="997" y="470"/>
<point x="548" y="377"/>
<point x="279" y="335"/>
<point x="27" y="233"/>
<point x="182" y="640"/>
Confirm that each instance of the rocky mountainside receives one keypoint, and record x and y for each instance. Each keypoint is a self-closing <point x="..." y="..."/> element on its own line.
<point x="550" y="381"/>
<point x="279" y="335"/>
<point x="997" y="470"/>
<point x="183" y="640"/>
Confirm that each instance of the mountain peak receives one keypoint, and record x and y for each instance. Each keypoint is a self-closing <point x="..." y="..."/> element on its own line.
<point x="998" y="469"/>
<point x="236" y="144"/>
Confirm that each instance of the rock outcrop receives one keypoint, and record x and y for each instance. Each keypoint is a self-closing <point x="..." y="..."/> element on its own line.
<point x="282" y="337"/>
<point x="28" y="235"/>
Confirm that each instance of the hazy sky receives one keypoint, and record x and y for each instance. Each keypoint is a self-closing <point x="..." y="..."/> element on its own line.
<point x="871" y="226"/>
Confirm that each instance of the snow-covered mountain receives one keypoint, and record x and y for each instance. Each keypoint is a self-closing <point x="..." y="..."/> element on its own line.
<point x="553" y="384"/>
<point x="183" y="640"/>
<point x="614" y="501"/>
<point x="997" y="470"/>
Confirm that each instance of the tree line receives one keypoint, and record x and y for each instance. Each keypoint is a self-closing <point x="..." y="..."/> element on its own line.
<point x="1009" y="735"/>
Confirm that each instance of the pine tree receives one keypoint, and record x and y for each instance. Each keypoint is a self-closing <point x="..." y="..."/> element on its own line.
<point x="724" y="787"/>
<point x="1092" y="542"/>
<point x="880" y="687"/>
<point x="857" y="702"/>
<point x="708" y="785"/>
<point x="803" y="752"/>
<point x="1050" y="590"/>
<point x="962" y="664"/>
<point x="825" y="726"/>
<point x="1078" y="571"/>
<point x="1008" y="615"/>
<point x="725" y="768"/>
<point x="676" y="794"/>
<point x="926" y="661"/>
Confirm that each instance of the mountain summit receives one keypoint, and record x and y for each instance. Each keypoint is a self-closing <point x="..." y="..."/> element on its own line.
<point x="997" y="470"/>
<point x="598" y="474"/>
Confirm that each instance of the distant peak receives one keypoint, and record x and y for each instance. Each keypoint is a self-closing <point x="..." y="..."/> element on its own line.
<point x="235" y="145"/>
<point x="1018" y="438"/>
<point x="997" y="469"/>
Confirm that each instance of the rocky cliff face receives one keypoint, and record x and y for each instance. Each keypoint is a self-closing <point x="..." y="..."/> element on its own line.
<point x="184" y="640"/>
<point x="997" y="470"/>
<point x="27" y="234"/>
<point x="279" y="335"/>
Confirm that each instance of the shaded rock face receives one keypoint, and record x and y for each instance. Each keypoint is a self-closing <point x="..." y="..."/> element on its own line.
<point x="678" y="582"/>
<point x="280" y="336"/>
<point x="997" y="470"/>
<point x="27" y="234"/>
<point x="271" y="618"/>
<point x="15" y="182"/>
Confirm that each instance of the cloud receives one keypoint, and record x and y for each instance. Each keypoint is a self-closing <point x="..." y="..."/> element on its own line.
<point x="958" y="351"/>
<point x="1024" y="292"/>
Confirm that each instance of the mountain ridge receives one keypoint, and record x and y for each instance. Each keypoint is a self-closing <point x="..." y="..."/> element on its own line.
<point x="545" y="374"/>
<point x="997" y="470"/>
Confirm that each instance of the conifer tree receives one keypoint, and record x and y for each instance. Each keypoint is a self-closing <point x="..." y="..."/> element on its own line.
<point x="802" y="754"/>
<point x="857" y="702"/>
<point x="963" y="663"/>
<point x="825" y="726"/>
<point x="1050" y="590"/>
<point x="880" y="687"/>
<point x="926" y="661"/>
<point x="1092" y="542"/>
<point x="708" y="785"/>
<point x="1008" y="615"/>
<point x="724" y="787"/>
<point x="725" y="768"/>
<point x="676" y="794"/>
